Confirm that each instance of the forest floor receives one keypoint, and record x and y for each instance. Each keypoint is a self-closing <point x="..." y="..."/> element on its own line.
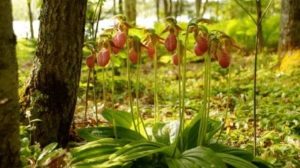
<point x="278" y="98"/>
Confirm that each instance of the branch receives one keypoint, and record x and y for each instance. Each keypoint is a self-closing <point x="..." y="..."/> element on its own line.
<point x="248" y="13"/>
<point x="265" y="11"/>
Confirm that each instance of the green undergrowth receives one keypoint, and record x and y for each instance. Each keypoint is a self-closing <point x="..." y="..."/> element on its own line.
<point x="278" y="102"/>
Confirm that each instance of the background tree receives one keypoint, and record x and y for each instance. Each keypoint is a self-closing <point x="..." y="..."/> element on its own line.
<point x="198" y="7"/>
<point x="290" y="26"/>
<point x="178" y="8"/>
<point x="9" y="109"/>
<point x="30" y="19"/>
<point x="120" y="6"/>
<point x="157" y="5"/>
<point x="168" y="6"/>
<point x="52" y="91"/>
<point x="130" y="10"/>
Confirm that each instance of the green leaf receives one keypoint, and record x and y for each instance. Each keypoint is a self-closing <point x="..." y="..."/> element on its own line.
<point x="196" y="158"/>
<point x="95" y="133"/>
<point x="47" y="159"/>
<point x="91" y="152"/>
<point x="49" y="148"/>
<point x="219" y="148"/>
<point x="235" y="161"/>
<point x="261" y="163"/>
<point x="160" y="134"/>
<point x="190" y="133"/>
<point x="122" y="118"/>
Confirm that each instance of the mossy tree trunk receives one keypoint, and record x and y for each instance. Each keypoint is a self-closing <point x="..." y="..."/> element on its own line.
<point x="290" y="26"/>
<point x="9" y="108"/>
<point x="52" y="91"/>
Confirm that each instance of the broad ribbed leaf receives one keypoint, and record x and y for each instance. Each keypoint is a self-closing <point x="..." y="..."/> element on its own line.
<point x="49" y="148"/>
<point x="160" y="134"/>
<point x="219" y="148"/>
<point x="94" y="152"/>
<point x="196" y="158"/>
<point x="134" y="151"/>
<point x="190" y="133"/>
<point x="47" y="159"/>
<point x="95" y="133"/>
<point x="122" y="118"/>
<point x="235" y="161"/>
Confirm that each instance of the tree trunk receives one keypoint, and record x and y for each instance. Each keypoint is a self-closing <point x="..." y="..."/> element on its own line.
<point x="120" y="6"/>
<point x="130" y="10"/>
<point x="157" y="9"/>
<point x="204" y="9"/>
<point x="198" y="7"/>
<point x="217" y="9"/>
<point x="52" y="91"/>
<point x="259" y="26"/>
<point x="9" y="108"/>
<point x="290" y="26"/>
<point x="114" y="7"/>
<point x="167" y="8"/>
<point x="30" y="19"/>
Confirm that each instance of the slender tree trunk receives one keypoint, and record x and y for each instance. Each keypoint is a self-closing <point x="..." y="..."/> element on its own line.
<point x="198" y="7"/>
<point x="130" y="10"/>
<point x="120" y="5"/>
<point x="52" y="91"/>
<point x="259" y="26"/>
<point x="204" y="9"/>
<point x="114" y="7"/>
<point x="176" y="11"/>
<point x="9" y="107"/>
<point x="167" y="7"/>
<point x="30" y="19"/>
<point x="178" y="8"/>
<point x="170" y="7"/>
<point x="157" y="9"/>
<point x="217" y="9"/>
<point x="290" y="26"/>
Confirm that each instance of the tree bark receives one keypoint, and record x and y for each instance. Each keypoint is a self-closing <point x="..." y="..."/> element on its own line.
<point x="259" y="26"/>
<point x="9" y="106"/>
<point x="30" y="19"/>
<point x="52" y="91"/>
<point x="290" y="26"/>
<point x="130" y="10"/>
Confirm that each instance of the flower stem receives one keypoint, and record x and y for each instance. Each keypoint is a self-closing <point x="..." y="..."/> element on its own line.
<point x="206" y="103"/>
<point x="86" y="95"/>
<point x="156" y="113"/>
<point x="227" y="105"/>
<point x="113" y="98"/>
<point x="95" y="96"/>
<point x="129" y="90"/>
<point x="137" y="95"/>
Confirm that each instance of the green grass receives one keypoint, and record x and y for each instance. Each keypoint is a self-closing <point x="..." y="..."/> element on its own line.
<point x="25" y="51"/>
